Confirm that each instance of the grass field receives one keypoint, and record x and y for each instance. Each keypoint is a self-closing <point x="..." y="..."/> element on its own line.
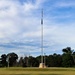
<point x="37" y="71"/>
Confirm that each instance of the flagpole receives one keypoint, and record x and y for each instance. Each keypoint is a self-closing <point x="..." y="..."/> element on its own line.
<point x="42" y="65"/>
<point x="42" y="36"/>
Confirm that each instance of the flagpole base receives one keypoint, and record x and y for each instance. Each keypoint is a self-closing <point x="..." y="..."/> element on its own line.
<point x="42" y="65"/>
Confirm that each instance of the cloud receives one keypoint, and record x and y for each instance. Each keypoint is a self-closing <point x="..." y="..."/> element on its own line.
<point x="17" y="23"/>
<point x="29" y="5"/>
<point x="20" y="28"/>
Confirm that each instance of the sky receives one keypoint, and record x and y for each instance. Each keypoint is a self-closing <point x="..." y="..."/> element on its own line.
<point x="20" y="26"/>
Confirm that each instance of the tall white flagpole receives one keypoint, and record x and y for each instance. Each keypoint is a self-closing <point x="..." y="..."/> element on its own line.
<point x="42" y="36"/>
<point x="42" y="64"/>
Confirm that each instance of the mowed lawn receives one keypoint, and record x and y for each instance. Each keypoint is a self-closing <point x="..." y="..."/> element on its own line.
<point x="37" y="71"/>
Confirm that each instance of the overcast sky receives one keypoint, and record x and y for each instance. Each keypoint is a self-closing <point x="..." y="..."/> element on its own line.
<point x="20" y="28"/>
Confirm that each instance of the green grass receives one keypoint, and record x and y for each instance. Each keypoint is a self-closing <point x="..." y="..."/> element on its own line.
<point x="37" y="71"/>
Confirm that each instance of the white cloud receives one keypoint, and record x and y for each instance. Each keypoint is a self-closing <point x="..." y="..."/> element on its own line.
<point x="8" y="8"/>
<point x="29" y="6"/>
<point x="11" y="18"/>
<point x="61" y="35"/>
<point x="16" y="24"/>
<point x="20" y="23"/>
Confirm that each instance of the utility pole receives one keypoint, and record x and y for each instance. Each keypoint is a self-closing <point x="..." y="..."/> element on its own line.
<point x="44" y="59"/>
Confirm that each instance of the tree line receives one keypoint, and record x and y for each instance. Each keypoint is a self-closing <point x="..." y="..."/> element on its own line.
<point x="66" y="59"/>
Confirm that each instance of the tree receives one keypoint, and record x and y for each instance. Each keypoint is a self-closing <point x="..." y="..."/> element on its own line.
<point x="67" y="58"/>
<point x="38" y="59"/>
<point x="3" y="60"/>
<point x="20" y="63"/>
<point x="73" y="57"/>
<point x="12" y="59"/>
<point x="25" y="61"/>
<point x="67" y="50"/>
<point x="57" y="60"/>
<point x="54" y="60"/>
<point x="33" y="62"/>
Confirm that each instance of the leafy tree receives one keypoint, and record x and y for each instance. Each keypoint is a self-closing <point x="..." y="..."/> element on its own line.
<point x="73" y="55"/>
<point x="33" y="62"/>
<point x="57" y="60"/>
<point x="67" y="50"/>
<point x="67" y="57"/>
<point x="67" y="60"/>
<point x="20" y="63"/>
<point x="38" y="59"/>
<point x="54" y="60"/>
<point x="3" y="60"/>
<point x="12" y="59"/>
<point x="25" y="61"/>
